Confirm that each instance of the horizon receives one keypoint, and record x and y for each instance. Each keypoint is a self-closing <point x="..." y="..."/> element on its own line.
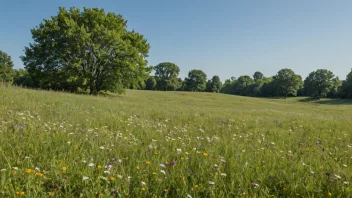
<point x="240" y="37"/>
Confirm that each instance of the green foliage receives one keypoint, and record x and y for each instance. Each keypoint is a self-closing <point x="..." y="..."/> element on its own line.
<point x="196" y="80"/>
<point x="6" y="68"/>
<point x="89" y="50"/>
<point x="319" y="82"/>
<point x="242" y="85"/>
<point x="286" y="82"/>
<point x="345" y="91"/>
<point x="150" y="83"/>
<point x="258" y="76"/>
<point x="167" y="73"/>
<point x="214" y="85"/>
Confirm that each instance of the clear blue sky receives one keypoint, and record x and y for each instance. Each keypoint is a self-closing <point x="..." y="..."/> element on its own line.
<point x="227" y="38"/>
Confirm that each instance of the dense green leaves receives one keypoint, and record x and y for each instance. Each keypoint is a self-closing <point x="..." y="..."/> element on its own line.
<point x="167" y="73"/>
<point x="318" y="83"/>
<point x="6" y="68"/>
<point x="196" y="80"/>
<point x="89" y="50"/>
<point x="287" y="82"/>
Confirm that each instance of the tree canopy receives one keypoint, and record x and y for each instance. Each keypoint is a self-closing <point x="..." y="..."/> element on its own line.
<point x="87" y="50"/>
<point x="318" y="83"/>
<point x="6" y="68"/>
<point x="287" y="82"/>
<point x="196" y="80"/>
<point x="167" y="74"/>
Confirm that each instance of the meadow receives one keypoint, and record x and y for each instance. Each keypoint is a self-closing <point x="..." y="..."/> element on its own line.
<point x="172" y="144"/>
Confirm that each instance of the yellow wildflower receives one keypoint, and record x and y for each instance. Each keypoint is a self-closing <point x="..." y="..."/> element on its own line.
<point x="28" y="171"/>
<point x="22" y="193"/>
<point x="17" y="193"/>
<point x="147" y="162"/>
<point x="182" y="158"/>
<point x="137" y="167"/>
<point x="99" y="167"/>
<point x="196" y="186"/>
<point x="108" y="149"/>
<point x="330" y="194"/>
<point x="205" y="154"/>
<point x="143" y="189"/>
<point x="154" y="173"/>
<point x="39" y="174"/>
<point x="63" y="168"/>
<point x="112" y="178"/>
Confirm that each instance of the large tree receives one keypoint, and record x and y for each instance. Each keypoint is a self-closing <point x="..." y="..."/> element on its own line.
<point x="287" y="82"/>
<point x="167" y="73"/>
<point x="89" y="50"/>
<point x="258" y="76"/>
<point x="196" y="80"/>
<point x="241" y="87"/>
<point x="346" y="89"/>
<point x="150" y="83"/>
<point x="318" y="83"/>
<point x="214" y="85"/>
<point x="6" y="68"/>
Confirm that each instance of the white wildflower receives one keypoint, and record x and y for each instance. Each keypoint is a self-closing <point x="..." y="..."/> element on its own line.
<point x="85" y="178"/>
<point x="90" y="164"/>
<point x="163" y="172"/>
<point x="211" y="182"/>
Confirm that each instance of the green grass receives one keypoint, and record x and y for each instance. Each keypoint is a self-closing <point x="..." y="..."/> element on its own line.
<point x="288" y="147"/>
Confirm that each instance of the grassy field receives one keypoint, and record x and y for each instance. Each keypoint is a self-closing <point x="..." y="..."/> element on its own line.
<point x="172" y="144"/>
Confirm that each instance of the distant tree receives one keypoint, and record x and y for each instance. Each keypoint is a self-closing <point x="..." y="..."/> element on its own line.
<point x="258" y="76"/>
<point x="334" y="90"/>
<point x="6" y="68"/>
<point x="150" y="83"/>
<point x="167" y="76"/>
<point x="241" y="87"/>
<point x="214" y="85"/>
<point x="228" y="86"/>
<point x="287" y="83"/>
<point x="318" y="83"/>
<point x="345" y="91"/>
<point x="255" y="88"/>
<point x="196" y="80"/>
<point x="268" y="88"/>
<point x="89" y="50"/>
<point x="22" y="78"/>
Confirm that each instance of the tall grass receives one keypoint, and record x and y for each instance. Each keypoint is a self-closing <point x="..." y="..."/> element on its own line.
<point x="172" y="144"/>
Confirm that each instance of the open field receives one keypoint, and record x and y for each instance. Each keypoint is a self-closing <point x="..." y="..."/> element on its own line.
<point x="172" y="144"/>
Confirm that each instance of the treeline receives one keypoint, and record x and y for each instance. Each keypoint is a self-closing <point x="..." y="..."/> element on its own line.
<point x="319" y="84"/>
<point x="93" y="52"/>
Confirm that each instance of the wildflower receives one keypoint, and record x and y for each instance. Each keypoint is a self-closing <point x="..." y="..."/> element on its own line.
<point x="85" y="178"/>
<point x="119" y="160"/>
<point x="179" y="150"/>
<point x="223" y="174"/>
<point x="2" y="170"/>
<point x="165" y="190"/>
<point x="137" y="167"/>
<point x="155" y="153"/>
<point x="211" y="182"/>
<point x="28" y="171"/>
<point x="108" y="149"/>
<point x="205" y="154"/>
<point x="147" y="162"/>
<point x="255" y="185"/>
<point x="102" y="148"/>
<point x="330" y="194"/>
<point x="303" y="164"/>
<point x="17" y="193"/>
<point x="143" y="189"/>
<point x="107" y="172"/>
<point x="345" y="182"/>
<point x="344" y="165"/>
<point x="112" y="178"/>
<point x="182" y="158"/>
<point x="163" y="165"/>
<point x="163" y="172"/>
<point x="90" y="164"/>
<point x="154" y="173"/>
<point x="37" y="169"/>
<point x="173" y="163"/>
<point x="39" y="174"/>
<point x="189" y="196"/>
<point x="196" y="186"/>
<point x="99" y="167"/>
<point x="143" y="183"/>
<point x="63" y="168"/>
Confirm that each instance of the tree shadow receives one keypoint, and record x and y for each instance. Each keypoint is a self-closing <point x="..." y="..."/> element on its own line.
<point x="326" y="101"/>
